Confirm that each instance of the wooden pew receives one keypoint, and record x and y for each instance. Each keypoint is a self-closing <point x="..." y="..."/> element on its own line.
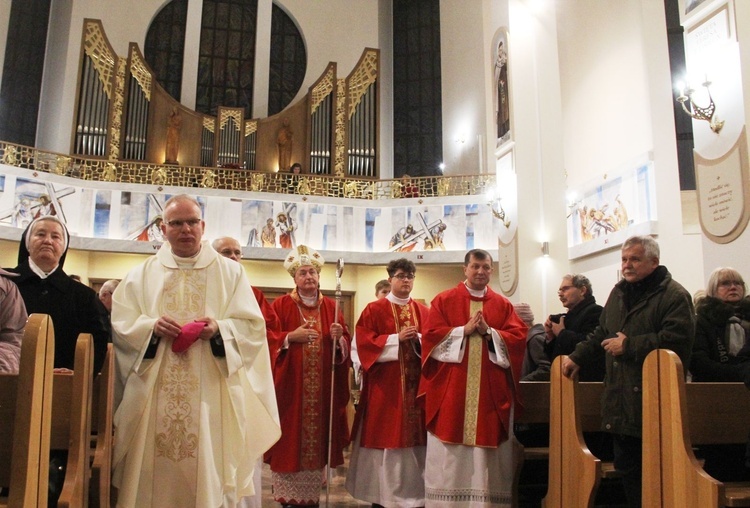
<point x="25" y="416"/>
<point x="574" y="472"/>
<point x="102" y="415"/>
<point x="71" y="423"/>
<point x="678" y="415"/>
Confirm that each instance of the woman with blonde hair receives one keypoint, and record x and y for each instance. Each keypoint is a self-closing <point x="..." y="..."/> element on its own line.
<point x="721" y="351"/>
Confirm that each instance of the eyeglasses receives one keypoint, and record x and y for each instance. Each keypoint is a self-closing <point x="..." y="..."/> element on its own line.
<point x="564" y="288"/>
<point x="402" y="276"/>
<point x="191" y="223"/>
<point x="730" y="283"/>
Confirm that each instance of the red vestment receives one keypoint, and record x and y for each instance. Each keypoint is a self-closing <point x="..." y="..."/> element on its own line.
<point x="388" y="412"/>
<point x="443" y="385"/>
<point x="302" y="378"/>
<point x="273" y="325"/>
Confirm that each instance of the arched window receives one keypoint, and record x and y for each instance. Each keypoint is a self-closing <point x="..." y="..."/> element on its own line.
<point x="165" y="46"/>
<point x="288" y="61"/>
<point x="226" y="66"/>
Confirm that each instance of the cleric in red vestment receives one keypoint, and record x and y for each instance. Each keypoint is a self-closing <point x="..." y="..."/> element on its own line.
<point x="302" y="375"/>
<point x="387" y="462"/>
<point x="472" y="354"/>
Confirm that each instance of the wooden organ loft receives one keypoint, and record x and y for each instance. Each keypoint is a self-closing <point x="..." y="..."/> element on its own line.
<point x="123" y="114"/>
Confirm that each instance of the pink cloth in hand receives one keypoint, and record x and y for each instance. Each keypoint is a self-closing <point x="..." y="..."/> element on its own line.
<point x="188" y="334"/>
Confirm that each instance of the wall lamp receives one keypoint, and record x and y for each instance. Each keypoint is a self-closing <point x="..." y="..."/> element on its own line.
<point x="545" y="249"/>
<point x="697" y="112"/>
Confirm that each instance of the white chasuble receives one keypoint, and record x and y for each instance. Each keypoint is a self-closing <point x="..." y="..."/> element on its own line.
<point x="190" y="427"/>
<point x="178" y="396"/>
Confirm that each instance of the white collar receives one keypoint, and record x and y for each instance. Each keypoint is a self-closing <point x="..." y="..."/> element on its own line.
<point x="476" y="293"/>
<point x="398" y="301"/>
<point x="310" y="301"/>
<point x="41" y="273"/>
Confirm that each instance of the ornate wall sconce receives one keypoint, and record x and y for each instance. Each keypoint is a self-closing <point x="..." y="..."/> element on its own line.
<point x="497" y="209"/>
<point x="698" y="112"/>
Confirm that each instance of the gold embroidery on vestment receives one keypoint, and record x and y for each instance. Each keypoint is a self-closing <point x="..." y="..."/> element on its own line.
<point x="179" y="410"/>
<point x="473" y="379"/>
<point x="176" y="441"/>
<point x="312" y="387"/>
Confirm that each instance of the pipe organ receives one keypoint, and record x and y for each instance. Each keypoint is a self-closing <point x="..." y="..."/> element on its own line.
<point x="321" y="122"/>
<point x="208" y="138"/>
<point x="137" y="107"/>
<point x="231" y="134"/>
<point x="123" y="114"/>
<point x="94" y="93"/>
<point x="251" y="143"/>
<point x="362" y="110"/>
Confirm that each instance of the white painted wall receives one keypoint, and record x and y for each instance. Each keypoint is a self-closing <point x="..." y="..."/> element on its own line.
<point x="463" y="63"/>
<point x="537" y="126"/>
<point x="617" y="105"/>
<point x="735" y="254"/>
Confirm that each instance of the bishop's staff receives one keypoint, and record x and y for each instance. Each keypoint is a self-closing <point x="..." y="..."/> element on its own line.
<point x="339" y="271"/>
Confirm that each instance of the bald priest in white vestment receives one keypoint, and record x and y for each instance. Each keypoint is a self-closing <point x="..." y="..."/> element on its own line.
<point x="195" y="391"/>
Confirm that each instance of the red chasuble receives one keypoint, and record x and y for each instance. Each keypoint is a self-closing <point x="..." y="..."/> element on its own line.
<point x="302" y="377"/>
<point x="273" y="325"/>
<point x="474" y="417"/>
<point x="388" y="414"/>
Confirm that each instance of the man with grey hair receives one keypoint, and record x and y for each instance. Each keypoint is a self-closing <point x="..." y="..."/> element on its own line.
<point x="105" y="293"/>
<point x="565" y="331"/>
<point x="646" y="310"/>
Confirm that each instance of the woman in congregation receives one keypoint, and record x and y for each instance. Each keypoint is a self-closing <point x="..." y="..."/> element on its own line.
<point x="721" y="353"/>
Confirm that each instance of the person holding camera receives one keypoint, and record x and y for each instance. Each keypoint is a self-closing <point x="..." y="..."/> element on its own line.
<point x="565" y="331"/>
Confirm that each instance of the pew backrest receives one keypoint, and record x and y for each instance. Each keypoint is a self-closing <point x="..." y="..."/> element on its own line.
<point x="102" y="417"/>
<point x="25" y="416"/>
<point x="679" y="415"/>
<point x="71" y="423"/>
<point x="574" y="472"/>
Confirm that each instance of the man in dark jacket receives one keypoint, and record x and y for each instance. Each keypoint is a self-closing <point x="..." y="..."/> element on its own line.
<point x="565" y="331"/>
<point x="645" y="311"/>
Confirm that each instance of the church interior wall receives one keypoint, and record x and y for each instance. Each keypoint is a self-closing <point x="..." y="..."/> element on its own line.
<point x="617" y="106"/>
<point x="732" y="254"/>
<point x="385" y="44"/>
<point x="537" y="153"/>
<point x="464" y="112"/>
